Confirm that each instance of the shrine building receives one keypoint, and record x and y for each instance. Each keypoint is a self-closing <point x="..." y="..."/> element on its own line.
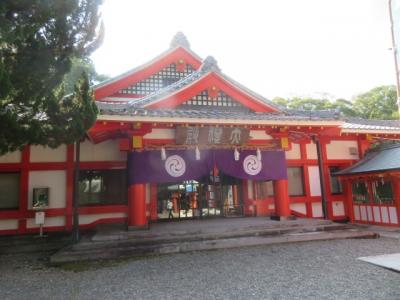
<point x="177" y="129"/>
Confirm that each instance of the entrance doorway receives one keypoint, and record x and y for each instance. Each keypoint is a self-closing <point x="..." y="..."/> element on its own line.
<point x="211" y="196"/>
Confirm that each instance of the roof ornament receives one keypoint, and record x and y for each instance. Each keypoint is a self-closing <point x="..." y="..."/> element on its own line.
<point x="210" y="64"/>
<point x="180" y="40"/>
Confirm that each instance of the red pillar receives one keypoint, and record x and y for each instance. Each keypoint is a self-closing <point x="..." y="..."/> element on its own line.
<point x="137" y="207"/>
<point x="282" y="204"/>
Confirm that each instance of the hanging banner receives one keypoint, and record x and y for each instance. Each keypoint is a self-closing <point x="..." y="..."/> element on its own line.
<point x="268" y="165"/>
<point x="211" y="135"/>
<point x="181" y="165"/>
<point x="178" y="166"/>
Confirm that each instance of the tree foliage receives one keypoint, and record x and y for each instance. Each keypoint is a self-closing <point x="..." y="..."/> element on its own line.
<point x="79" y="67"/>
<point x="378" y="103"/>
<point x="38" y="41"/>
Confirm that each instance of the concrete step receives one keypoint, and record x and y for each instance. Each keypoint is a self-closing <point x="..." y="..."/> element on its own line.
<point x="136" y="250"/>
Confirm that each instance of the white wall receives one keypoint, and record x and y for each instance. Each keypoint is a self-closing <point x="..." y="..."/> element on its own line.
<point x="47" y="154"/>
<point x="299" y="207"/>
<point x="55" y="180"/>
<point x="259" y="135"/>
<point x="105" y="151"/>
<point x="8" y="224"/>
<point x="11" y="157"/>
<point x="317" y="209"/>
<point x="311" y="150"/>
<point x="158" y="133"/>
<point x="313" y="177"/>
<point x="294" y="153"/>
<point x="88" y="219"/>
<point x="48" y="222"/>
<point x="338" y="208"/>
<point x="341" y="150"/>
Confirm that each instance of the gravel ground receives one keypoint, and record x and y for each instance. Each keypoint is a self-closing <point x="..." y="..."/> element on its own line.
<point x="313" y="270"/>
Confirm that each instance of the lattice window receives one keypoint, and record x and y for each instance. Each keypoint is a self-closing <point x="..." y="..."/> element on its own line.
<point x="221" y="102"/>
<point x="157" y="81"/>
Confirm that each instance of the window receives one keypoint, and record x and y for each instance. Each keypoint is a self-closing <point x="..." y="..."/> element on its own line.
<point x="263" y="189"/>
<point x="296" y="181"/>
<point x="99" y="187"/>
<point x="360" y="192"/>
<point x="9" y="190"/>
<point x="335" y="184"/>
<point x="383" y="192"/>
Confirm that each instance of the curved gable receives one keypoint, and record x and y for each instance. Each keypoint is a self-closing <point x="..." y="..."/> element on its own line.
<point x="178" y="56"/>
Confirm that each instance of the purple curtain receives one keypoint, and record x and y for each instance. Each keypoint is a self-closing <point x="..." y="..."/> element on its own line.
<point x="271" y="166"/>
<point x="180" y="165"/>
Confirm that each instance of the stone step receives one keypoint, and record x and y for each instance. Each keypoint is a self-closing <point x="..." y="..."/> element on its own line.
<point x="69" y="255"/>
<point x="199" y="236"/>
<point x="30" y="244"/>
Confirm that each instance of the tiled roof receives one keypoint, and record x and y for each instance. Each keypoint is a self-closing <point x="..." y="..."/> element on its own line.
<point x="363" y="124"/>
<point x="209" y="65"/>
<point x="206" y="114"/>
<point x="385" y="159"/>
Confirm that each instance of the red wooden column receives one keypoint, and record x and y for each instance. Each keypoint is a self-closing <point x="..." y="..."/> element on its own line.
<point x="282" y="204"/>
<point x="137" y="207"/>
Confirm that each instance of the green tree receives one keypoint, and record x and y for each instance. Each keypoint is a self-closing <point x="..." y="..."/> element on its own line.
<point x="38" y="41"/>
<point x="378" y="103"/>
<point x="343" y="105"/>
<point x="79" y="67"/>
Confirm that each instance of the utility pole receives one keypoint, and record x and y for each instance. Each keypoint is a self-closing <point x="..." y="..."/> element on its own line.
<point x="394" y="47"/>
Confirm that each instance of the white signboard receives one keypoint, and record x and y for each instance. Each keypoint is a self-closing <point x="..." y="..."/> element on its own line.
<point x="39" y="218"/>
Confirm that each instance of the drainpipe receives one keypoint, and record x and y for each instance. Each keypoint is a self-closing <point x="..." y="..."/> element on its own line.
<point x="75" y="219"/>
<point x="321" y="177"/>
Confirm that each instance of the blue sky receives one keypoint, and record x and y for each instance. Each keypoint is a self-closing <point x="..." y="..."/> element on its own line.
<point x="275" y="47"/>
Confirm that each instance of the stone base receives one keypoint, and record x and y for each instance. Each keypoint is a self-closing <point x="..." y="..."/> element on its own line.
<point x="138" y="227"/>
<point x="279" y="218"/>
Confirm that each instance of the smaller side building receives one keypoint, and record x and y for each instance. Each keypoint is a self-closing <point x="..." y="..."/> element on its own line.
<point x="374" y="185"/>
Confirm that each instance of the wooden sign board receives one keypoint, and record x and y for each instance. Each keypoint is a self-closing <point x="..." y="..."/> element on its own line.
<point x="211" y="135"/>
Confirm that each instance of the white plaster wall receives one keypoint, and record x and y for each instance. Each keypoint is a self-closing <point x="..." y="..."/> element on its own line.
<point x="105" y="151"/>
<point x="8" y="224"/>
<point x="48" y="222"/>
<point x="88" y="219"/>
<point x="250" y="192"/>
<point x="259" y="135"/>
<point x="313" y="177"/>
<point x="11" y="157"/>
<point x="158" y="133"/>
<point x="47" y="154"/>
<point x="341" y="150"/>
<point x="317" y="209"/>
<point x="311" y="150"/>
<point x="338" y="208"/>
<point x="55" y="180"/>
<point x="294" y="153"/>
<point x="299" y="207"/>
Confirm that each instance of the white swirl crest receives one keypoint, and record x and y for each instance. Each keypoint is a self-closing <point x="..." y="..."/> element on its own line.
<point x="252" y="165"/>
<point x="175" y="166"/>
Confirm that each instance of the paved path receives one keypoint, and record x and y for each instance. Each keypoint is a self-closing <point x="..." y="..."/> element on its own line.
<point x="315" y="270"/>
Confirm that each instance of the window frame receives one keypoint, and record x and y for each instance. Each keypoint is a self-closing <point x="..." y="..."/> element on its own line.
<point x="18" y="196"/>
<point x="124" y="189"/>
